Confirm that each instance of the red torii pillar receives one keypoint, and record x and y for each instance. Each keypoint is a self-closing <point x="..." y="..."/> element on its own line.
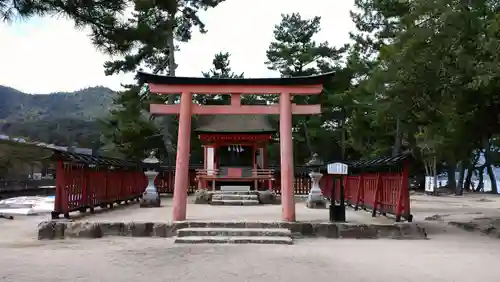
<point x="285" y="87"/>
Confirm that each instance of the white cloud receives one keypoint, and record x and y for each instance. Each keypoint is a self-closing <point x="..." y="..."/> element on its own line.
<point x="48" y="55"/>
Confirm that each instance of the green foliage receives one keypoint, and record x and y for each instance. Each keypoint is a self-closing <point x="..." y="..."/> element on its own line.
<point x="147" y="39"/>
<point x="221" y="69"/>
<point x="432" y="66"/>
<point x="129" y="128"/>
<point x="294" y="53"/>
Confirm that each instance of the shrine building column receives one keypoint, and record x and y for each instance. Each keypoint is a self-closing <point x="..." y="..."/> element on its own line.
<point x="286" y="157"/>
<point x="182" y="160"/>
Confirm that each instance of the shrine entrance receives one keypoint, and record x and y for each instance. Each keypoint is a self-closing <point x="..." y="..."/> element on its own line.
<point x="236" y="155"/>
<point x="286" y="88"/>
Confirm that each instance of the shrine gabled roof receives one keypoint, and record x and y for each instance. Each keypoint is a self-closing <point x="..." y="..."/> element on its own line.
<point x="234" y="124"/>
<point x="177" y="80"/>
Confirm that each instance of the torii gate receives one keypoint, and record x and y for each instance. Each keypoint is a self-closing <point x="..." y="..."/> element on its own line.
<point x="187" y="86"/>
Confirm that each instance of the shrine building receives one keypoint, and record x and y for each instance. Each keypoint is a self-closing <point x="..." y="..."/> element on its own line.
<point x="235" y="152"/>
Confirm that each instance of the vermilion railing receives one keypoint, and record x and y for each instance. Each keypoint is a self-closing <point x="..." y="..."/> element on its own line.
<point x="82" y="186"/>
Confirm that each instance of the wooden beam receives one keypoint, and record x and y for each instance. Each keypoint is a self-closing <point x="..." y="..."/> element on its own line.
<point x="240" y="89"/>
<point x="162" y="109"/>
<point x="235" y="100"/>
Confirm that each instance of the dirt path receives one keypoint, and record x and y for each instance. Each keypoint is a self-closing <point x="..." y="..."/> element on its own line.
<point x="24" y="259"/>
<point x="147" y="259"/>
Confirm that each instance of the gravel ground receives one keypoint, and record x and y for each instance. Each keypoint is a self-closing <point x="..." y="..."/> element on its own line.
<point x="450" y="254"/>
<point x="210" y="212"/>
<point x="455" y="256"/>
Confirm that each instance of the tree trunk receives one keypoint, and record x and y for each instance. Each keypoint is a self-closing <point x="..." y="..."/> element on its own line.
<point x="172" y="66"/>
<point x="491" y="174"/>
<point x="480" y="185"/>
<point x="459" y="190"/>
<point x="489" y="168"/>
<point x="396" y="149"/>
<point x="427" y="173"/>
<point x="452" y="181"/>
<point x="434" y="174"/>
<point x="468" y="178"/>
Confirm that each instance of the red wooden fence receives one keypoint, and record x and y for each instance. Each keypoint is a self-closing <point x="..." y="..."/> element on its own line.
<point x="385" y="192"/>
<point x="81" y="187"/>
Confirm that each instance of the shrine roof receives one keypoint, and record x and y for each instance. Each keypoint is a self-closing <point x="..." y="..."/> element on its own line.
<point x="234" y="124"/>
<point x="177" y="80"/>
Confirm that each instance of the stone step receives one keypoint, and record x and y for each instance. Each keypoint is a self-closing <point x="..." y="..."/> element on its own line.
<point x="233" y="232"/>
<point x="250" y="192"/>
<point x="234" y="202"/>
<point x="234" y="197"/>
<point x="233" y="240"/>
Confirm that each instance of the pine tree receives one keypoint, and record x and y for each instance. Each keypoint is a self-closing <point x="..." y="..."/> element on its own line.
<point x="294" y="53"/>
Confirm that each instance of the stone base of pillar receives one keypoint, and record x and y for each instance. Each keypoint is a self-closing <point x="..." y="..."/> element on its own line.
<point x="150" y="200"/>
<point x="316" y="201"/>
<point x="202" y="196"/>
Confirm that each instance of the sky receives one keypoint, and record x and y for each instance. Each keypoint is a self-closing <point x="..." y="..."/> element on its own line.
<point x="44" y="55"/>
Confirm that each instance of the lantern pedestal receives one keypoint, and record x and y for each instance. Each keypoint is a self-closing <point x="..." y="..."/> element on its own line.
<point x="315" y="199"/>
<point x="150" y="197"/>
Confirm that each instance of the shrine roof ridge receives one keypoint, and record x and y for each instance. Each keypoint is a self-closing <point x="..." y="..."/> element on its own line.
<point x="280" y="81"/>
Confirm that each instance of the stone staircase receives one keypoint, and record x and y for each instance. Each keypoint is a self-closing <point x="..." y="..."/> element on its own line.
<point x="235" y="198"/>
<point x="224" y="235"/>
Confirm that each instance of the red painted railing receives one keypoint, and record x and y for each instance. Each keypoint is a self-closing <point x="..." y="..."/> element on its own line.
<point x="82" y="187"/>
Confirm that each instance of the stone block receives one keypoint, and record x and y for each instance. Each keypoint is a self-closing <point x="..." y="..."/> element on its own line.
<point x="257" y="224"/>
<point x="357" y="231"/>
<point x="233" y="224"/>
<point x="46" y="230"/>
<point x="87" y="230"/>
<point x="160" y="230"/>
<point x="327" y="230"/>
<point x="138" y="229"/>
<point x="315" y="204"/>
<point x="113" y="228"/>
<point x="150" y="200"/>
<point x="171" y="230"/>
<point x="467" y="226"/>
<point x="233" y="240"/>
<point x="49" y="230"/>
<point x="388" y="231"/>
<point x="197" y="224"/>
<point x="267" y="197"/>
<point x="59" y="230"/>
<point x="202" y="196"/>
<point x="411" y="231"/>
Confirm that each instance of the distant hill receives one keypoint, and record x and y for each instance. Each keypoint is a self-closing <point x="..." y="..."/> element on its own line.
<point x="85" y="104"/>
<point x="66" y="118"/>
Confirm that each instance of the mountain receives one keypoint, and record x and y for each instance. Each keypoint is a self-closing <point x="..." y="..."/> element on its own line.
<point x="85" y="104"/>
<point x="65" y="118"/>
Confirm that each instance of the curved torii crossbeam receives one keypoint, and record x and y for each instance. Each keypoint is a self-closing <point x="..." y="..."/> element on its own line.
<point x="187" y="86"/>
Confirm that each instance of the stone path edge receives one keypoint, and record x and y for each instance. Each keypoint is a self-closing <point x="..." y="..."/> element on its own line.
<point x="50" y="230"/>
<point x="488" y="230"/>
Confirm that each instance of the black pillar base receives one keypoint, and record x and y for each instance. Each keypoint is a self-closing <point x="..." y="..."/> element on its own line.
<point x="337" y="213"/>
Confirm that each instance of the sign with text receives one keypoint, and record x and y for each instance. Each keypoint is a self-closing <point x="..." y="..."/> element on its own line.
<point x="337" y="168"/>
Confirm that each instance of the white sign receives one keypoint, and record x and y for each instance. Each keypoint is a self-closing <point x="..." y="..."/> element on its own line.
<point x="336" y="168"/>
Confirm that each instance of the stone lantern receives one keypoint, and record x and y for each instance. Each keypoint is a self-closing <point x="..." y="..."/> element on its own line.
<point x="150" y="197"/>
<point x="315" y="198"/>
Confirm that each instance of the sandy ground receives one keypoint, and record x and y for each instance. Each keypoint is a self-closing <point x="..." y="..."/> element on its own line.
<point x="450" y="254"/>
<point x="453" y="257"/>
<point x="207" y="212"/>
